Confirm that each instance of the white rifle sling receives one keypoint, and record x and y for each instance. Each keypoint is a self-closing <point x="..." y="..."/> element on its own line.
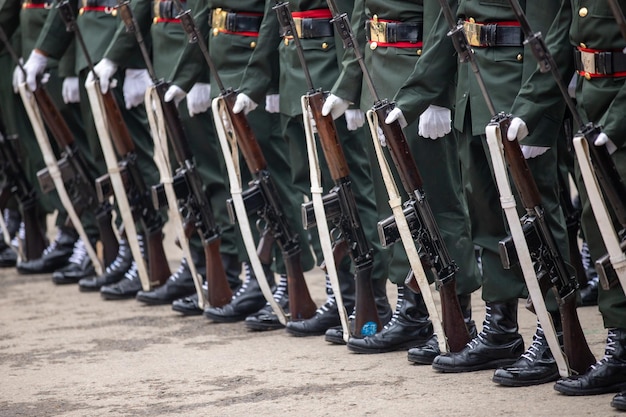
<point x="494" y="141"/>
<point x="600" y="212"/>
<point x="161" y="154"/>
<point x="101" y="121"/>
<point x="53" y="169"/>
<point x="395" y="202"/>
<point x="228" y="143"/>
<point x="320" y="215"/>
<point x="5" y="232"/>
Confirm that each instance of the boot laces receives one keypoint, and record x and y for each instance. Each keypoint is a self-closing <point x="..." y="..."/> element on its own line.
<point x="481" y="337"/>
<point x="121" y="254"/>
<point x="21" y="236"/>
<point x="396" y="313"/>
<point x="79" y="253"/>
<point x="132" y="272"/>
<point x="52" y="246"/>
<point x="244" y="286"/>
<point x="533" y="350"/>
<point x="181" y="269"/>
<point x="330" y="298"/>
<point x="281" y="288"/>
<point x="585" y="256"/>
<point x="608" y="350"/>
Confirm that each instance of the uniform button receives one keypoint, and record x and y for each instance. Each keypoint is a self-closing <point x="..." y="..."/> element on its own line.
<point x="324" y="45"/>
<point x="373" y="45"/>
<point x="582" y="45"/>
<point x="587" y="76"/>
<point x="155" y="20"/>
<point x="252" y="45"/>
<point x="472" y="20"/>
<point x="519" y="57"/>
<point x="216" y="31"/>
<point x="583" y="12"/>
<point x="286" y="42"/>
<point x="419" y="52"/>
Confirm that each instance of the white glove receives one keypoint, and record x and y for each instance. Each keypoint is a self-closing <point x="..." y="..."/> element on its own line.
<point x="354" y="119"/>
<point x="334" y="105"/>
<point x="533" y="151"/>
<point x="136" y="83"/>
<point x="272" y="103"/>
<point x="517" y="130"/>
<point x="603" y="139"/>
<point x="199" y="98"/>
<point x="435" y="122"/>
<point x="381" y="137"/>
<point x="34" y="67"/>
<point x="18" y="77"/>
<point x="69" y="91"/>
<point x="244" y="103"/>
<point x="396" y="114"/>
<point x="105" y="69"/>
<point x="175" y="93"/>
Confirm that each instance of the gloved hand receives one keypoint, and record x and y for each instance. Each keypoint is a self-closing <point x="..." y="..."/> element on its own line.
<point x="69" y="91"/>
<point x="533" y="151"/>
<point x="244" y="103"/>
<point x="381" y="137"/>
<point x="354" y="119"/>
<point x="199" y="98"/>
<point x="105" y="69"/>
<point x="517" y="130"/>
<point x="603" y="139"/>
<point x="272" y="103"/>
<point x="336" y="106"/>
<point x="396" y="114"/>
<point x="136" y="83"/>
<point x="175" y="93"/>
<point x="35" y="66"/>
<point x="435" y="122"/>
<point x="18" y="77"/>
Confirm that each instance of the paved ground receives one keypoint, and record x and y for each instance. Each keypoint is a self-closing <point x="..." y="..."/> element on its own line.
<point x="66" y="353"/>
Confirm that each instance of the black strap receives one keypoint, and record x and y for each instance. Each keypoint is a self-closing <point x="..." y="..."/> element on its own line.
<point x="400" y="31"/>
<point x="606" y="62"/>
<point x="316" y="28"/>
<point x="496" y="35"/>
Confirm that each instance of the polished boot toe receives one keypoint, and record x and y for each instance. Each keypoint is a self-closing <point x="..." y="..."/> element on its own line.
<point x="426" y="353"/>
<point x="8" y="257"/>
<point x="187" y="306"/>
<point x="335" y="335"/>
<point x="179" y="285"/>
<point x="113" y="272"/>
<point x="54" y="257"/>
<point x="619" y="401"/>
<point x="265" y="318"/>
<point x="127" y="288"/>
<point x="79" y="266"/>
<point x="325" y="317"/>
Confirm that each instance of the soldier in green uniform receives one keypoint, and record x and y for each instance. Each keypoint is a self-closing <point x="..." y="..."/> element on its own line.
<point x="233" y="34"/>
<point x="323" y="53"/>
<point x="601" y="99"/>
<point x="157" y="20"/>
<point x="392" y="45"/>
<point x="505" y="65"/>
<point x="97" y="21"/>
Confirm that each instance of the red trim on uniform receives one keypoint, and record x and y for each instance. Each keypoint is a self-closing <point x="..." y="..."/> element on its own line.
<point x="37" y="5"/>
<point x="97" y="9"/>
<point x="313" y="14"/>
<point x="593" y="75"/>
<point x="597" y="50"/>
<point x="164" y="20"/>
<point x="255" y="34"/>
<point x="398" y="44"/>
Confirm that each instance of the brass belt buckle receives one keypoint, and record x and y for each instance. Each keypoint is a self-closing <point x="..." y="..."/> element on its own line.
<point x="378" y="30"/>
<point x="588" y="60"/>
<point x="297" y="22"/>
<point x="218" y="20"/>
<point x="472" y="33"/>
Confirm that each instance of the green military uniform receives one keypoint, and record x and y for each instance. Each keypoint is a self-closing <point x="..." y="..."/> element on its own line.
<point x="168" y="42"/>
<point x="323" y="55"/>
<point x="504" y="69"/>
<point x="437" y="160"/>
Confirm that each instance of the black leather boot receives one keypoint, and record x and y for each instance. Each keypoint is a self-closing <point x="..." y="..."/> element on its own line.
<point x="607" y="375"/>
<point x="619" y="401"/>
<point x="55" y="256"/>
<point x="335" y="334"/>
<point x="232" y="267"/>
<point x="126" y="288"/>
<point x="179" y="284"/>
<point x="465" y="300"/>
<point x="327" y="315"/>
<point x="79" y="266"/>
<point x="188" y="306"/>
<point x="8" y="256"/>
<point x="113" y="272"/>
<point x="265" y="318"/>
<point x="498" y="344"/>
<point x="409" y="326"/>
<point x="535" y="366"/>
<point x="247" y="300"/>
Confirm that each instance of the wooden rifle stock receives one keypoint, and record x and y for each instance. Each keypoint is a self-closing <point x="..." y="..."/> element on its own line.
<point x="110" y="245"/>
<point x="120" y="135"/>
<point x="264" y="248"/>
<point x="158" y="267"/>
<point x="219" y="290"/>
<point x="246" y="139"/>
<point x="301" y="306"/>
<point x="455" y="327"/>
<point x="578" y="353"/>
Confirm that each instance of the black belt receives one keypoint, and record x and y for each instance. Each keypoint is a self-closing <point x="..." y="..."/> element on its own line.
<point x="234" y="22"/>
<point x="166" y="9"/>
<point x="493" y="34"/>
<point x="600" y="63"/>
<point x="99" y="3"/>
<point x="393" y="32"/>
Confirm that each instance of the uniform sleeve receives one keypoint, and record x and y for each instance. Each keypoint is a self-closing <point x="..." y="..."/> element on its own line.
<point x="9" y="17"/>
<point x="54" y="39"/>
<point x="258" y="76"/>
<point x="191" y="63"/>
<point x="124" y="49"/>
<point x="540" y="96"/>
<point x="430" y="81"/>
<point x="615" y="122"/>
<point x="348" y="85"/>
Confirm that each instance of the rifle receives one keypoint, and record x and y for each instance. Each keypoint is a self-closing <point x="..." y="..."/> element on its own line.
<point x="541" y="250"/>
<point x="137" y="194"/>
<point x="427" y="232"/>
<point x="80" y="192"/>
<point x="262" y="187"/>
<point x="192" y="200"/>
<point x="17" y="184"/>
<point x="348" y="223"/>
